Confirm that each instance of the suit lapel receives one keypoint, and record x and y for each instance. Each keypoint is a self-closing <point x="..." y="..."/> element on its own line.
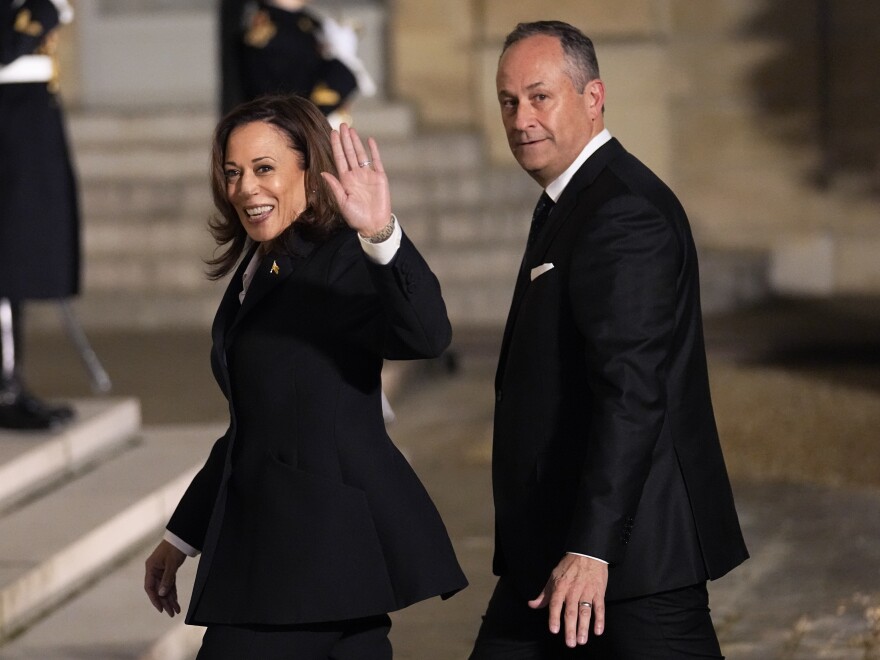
<point x="273" y="270"/>
<point x="561" y="212"/>
<point x="581" y="180"/>
<point x="229" y="305"/>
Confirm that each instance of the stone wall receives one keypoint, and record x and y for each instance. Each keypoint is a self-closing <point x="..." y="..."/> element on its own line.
<point x="444" y="57"/>
<point x="724" y="99"/>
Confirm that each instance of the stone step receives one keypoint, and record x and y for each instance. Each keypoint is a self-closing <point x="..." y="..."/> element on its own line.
<point x="132" y="204"/>
<point x="130" y="627"/>
<point x="147" y="310"/>
<point x="161" y="161"/>
<point x="132" y="201"/>
<point x="484" y="303"/>
<point x="159" y="236"/>
<point x="34" y="460"/>
<point x="146" y="201"/>
<point x="488" y="220"/>
<point x="130" y="505"/>
<point x="95" y="128"/>
<point x="382" y="119"/>
<point x="464" y="188"/>
<point x="167" y="147"/>
<point x="733" y="278"/>
<point x="144" y="273"/>
<point x="57" y="545"/>
<point x="477" y="276"/>
<point x="181" y="642"/>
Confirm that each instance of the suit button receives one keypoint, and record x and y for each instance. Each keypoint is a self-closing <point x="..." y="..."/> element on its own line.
<point x="498" y="396"/>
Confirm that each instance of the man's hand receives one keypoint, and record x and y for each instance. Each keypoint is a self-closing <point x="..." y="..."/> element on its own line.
<point x="160" y="577"/>
<point x="575" y="582"/>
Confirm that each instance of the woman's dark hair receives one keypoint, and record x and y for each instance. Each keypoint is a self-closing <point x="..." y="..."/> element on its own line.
<point x="308" y="133"/>
<point x="580" y="55"/>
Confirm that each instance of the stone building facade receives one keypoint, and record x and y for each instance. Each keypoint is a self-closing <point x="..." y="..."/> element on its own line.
<point x="760" y="113"/>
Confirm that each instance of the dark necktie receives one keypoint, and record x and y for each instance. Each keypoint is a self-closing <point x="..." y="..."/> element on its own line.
<point x="539" y="217"/>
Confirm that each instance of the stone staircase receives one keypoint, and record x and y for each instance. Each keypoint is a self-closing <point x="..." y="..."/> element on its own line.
<point x="145" y="199"/>
<point x="77" y="516"/>
<point x="145" y="202"/>
<point x="73" y="503"/>
<point x="80" y="510"/>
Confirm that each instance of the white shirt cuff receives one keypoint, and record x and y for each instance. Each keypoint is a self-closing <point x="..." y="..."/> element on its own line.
<point x="579" y="554"/>
<point x="382" y="253"/>
<point x="180" y="544"/>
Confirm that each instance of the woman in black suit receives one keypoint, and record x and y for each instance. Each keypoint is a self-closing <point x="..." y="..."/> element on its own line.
<point x="311" y="524"/>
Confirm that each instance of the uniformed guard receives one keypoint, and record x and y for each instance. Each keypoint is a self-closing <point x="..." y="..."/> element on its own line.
<point x="281" y="47"/>
<point x="39" y="213"/>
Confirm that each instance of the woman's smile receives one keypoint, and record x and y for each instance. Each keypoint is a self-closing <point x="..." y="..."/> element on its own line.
<point x="265" y="180"/>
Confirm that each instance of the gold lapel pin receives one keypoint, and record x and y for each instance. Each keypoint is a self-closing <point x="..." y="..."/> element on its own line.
<point x="274" y="270"/>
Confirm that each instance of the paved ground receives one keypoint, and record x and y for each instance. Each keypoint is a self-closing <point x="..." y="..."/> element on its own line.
<point x="797" y="393"/>
<point x="810" y="590"/>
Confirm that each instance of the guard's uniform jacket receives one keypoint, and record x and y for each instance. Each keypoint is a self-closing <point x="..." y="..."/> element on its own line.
<point x="39" y="216"/>
<point x="270" y="50"/>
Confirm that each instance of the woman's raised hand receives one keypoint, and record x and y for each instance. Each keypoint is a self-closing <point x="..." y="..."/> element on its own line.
<point x="362" y="187"/>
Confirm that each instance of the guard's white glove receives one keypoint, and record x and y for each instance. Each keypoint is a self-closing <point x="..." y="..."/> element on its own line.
<point x="340" y="42"/>
<point x="65" y="11"/>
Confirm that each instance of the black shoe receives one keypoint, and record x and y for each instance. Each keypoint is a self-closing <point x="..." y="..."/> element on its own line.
<point x="23" y="411"/>
<point x="59" y="412"/>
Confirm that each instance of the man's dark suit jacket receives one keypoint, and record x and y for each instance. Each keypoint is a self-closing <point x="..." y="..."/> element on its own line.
<point x="305" y="511"/>
<point x="605" y="441"/>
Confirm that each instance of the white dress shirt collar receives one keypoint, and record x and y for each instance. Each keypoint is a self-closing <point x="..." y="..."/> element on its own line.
<point x="555" y="188"/>
<point x="248" y="275"/>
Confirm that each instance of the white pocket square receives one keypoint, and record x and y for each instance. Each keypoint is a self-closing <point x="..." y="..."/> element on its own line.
<point x="537" y="271"/>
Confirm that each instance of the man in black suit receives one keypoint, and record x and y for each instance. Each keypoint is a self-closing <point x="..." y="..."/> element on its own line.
<point x="613" y="504"/>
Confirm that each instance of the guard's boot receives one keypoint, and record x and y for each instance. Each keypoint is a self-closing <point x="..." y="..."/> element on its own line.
<point x="19" y="409"/>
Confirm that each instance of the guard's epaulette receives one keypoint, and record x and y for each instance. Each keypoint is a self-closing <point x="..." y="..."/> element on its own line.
<point x="25" y="24"/>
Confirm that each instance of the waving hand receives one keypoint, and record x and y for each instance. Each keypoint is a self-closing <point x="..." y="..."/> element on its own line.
<point x="362" y="187"/>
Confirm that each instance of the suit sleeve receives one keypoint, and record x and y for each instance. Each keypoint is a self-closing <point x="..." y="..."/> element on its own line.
<point x="23" y="28"/>
<point x="623" y="293"/>
<point x="401" y="314"/>
<point x="334" y="84"/>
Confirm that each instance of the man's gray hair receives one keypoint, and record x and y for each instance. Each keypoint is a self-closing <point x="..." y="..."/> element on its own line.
<point x="580" y="55"/>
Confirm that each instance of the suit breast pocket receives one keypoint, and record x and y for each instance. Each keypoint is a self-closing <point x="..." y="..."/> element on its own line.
<point x="541" y="270"/>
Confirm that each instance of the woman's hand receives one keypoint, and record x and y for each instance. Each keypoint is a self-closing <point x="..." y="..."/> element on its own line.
<point x="362" y="187"/>
<point x="160" y="580"/>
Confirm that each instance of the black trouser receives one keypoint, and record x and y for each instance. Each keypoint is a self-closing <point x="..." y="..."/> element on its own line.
<point x="356" y="639"/>
<point x="669" y="626"/>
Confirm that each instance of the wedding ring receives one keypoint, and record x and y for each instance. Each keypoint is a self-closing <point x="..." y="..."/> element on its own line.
<point x="365" y="163"/>
<point x="586" y="603"/>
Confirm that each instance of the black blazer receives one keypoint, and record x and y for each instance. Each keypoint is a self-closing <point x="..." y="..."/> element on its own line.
<point x="305" y="511"/>
<point x="605" y="441"/>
